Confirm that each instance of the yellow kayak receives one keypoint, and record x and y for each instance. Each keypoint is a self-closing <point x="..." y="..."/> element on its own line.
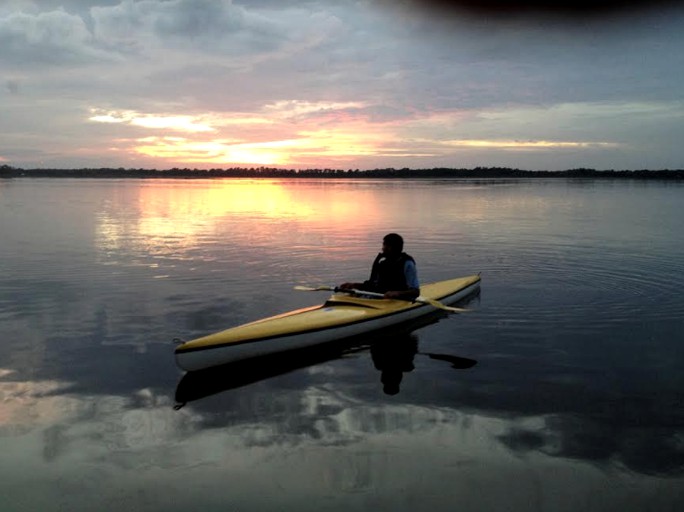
<point x="341" y="316"/>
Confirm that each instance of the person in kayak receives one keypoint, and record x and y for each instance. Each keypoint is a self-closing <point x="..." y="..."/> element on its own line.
<point x="393" y="273"/>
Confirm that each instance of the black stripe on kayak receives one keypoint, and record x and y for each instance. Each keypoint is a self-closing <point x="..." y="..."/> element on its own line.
<point x="180" y="350"/>
<point x="331" y="303"/>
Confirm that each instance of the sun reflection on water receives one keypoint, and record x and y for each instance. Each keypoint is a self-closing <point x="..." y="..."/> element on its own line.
<point x="182" y="215"/>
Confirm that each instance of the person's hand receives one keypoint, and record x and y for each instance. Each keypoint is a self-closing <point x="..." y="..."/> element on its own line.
<point x="347" y="286"/>
<point x="392" y="295"/>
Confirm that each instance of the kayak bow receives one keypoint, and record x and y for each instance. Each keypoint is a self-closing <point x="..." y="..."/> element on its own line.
<point x="341" y="316"/>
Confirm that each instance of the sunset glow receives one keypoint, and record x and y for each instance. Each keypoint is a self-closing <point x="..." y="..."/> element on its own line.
<point x="302" y="149"/>
<point x="299" y="145"/>
<point x="210" y="152"/>
<point x="303" y="134"/>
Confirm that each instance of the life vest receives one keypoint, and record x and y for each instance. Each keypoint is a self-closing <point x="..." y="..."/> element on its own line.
<point x="388" y="274"/>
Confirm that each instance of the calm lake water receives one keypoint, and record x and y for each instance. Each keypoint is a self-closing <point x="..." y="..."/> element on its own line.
<point x="573" y="399"/>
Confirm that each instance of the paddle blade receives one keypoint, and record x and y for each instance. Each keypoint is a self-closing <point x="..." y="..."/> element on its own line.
<point x="439" y="305"/>
<point x="314" y="288"/>
<point x="460" y="363"/>
<point x="457" y="310"/>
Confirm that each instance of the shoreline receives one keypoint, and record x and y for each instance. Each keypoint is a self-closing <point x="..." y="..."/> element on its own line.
<point x="389" y="173"/>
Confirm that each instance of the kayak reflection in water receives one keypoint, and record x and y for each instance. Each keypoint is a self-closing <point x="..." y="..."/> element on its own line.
<point x="393" y="358"/>
<point x="393" y="272"/>
<point x="392" y="355"/>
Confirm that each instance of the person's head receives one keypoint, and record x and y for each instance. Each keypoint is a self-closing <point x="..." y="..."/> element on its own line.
<point x="391" y="380"/>
<point x="392" y="244"/>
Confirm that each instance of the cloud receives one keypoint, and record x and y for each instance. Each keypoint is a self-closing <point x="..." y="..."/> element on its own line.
<point x="299" y="108"/>
<point x="173" y="17"/>
<point x="47" y="38"/>
<point x="199" y="18"/>
<point x="215" y="26"/>
<point x="517" y="145"/>
<point x="403" y="83"/>
<point x="152" y="121"/>
<point x="12" y="86"/>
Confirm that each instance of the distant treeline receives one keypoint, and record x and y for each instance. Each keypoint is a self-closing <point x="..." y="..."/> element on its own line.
<point x="7" y="171"/>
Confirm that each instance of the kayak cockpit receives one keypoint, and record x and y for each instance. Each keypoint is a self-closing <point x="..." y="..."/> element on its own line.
<point x="365" y="302"/>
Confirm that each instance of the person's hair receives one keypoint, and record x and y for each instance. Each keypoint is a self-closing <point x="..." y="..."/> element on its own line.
<point x="394" y="240"/>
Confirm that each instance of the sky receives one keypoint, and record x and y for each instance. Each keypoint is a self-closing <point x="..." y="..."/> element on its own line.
<point x="343" y="84"/>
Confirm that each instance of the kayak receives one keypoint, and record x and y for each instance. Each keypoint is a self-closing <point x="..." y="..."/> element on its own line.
<point x="341" y="316"/>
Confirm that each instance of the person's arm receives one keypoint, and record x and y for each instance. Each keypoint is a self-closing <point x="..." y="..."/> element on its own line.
<point x="413" y="291"/>
<point x="351" y="286"/>
<point x="409" y="294"/>
<point x="366" y="285"/>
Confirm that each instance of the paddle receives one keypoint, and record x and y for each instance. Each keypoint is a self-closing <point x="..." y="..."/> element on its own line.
<point x="457" y="362"/>
<point x="423" y="300"/>
<point x="460" y="363"/>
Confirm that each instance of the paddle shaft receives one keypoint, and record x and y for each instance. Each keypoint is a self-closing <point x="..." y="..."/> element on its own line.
<point x="422" y="300"/>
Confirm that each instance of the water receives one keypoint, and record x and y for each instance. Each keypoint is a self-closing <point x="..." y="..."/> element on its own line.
<point x="572" y="398"/>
